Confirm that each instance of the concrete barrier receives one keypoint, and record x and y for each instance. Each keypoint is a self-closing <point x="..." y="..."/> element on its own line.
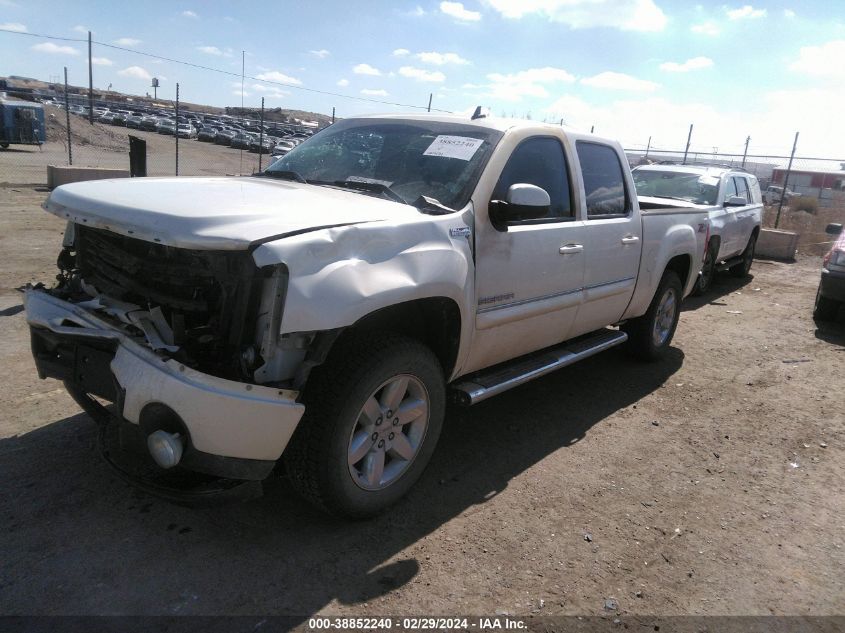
<point x="61" y="175"/>
<point x="777" y="244"/>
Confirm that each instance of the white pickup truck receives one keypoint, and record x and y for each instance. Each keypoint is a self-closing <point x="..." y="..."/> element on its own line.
<point x="733" y="203"/>
<point x="323" y="311"/>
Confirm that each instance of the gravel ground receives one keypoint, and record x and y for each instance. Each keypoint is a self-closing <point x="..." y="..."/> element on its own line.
<point x="709" y="483"/>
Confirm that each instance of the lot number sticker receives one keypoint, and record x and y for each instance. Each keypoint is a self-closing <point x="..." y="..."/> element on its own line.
<point x="460" y="147"/>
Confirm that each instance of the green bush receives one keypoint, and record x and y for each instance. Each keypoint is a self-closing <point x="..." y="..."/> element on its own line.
<point x="804" y="203"/>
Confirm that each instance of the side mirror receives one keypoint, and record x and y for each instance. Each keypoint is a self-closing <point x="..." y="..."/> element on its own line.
<point x="833" y="229"/>
<point x="522" y="202"/>
<point x="736" y="201"/>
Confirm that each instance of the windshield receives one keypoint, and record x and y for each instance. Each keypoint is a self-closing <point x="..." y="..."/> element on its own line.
<point x="695" y="188"/>
<point x="441" y="161"/>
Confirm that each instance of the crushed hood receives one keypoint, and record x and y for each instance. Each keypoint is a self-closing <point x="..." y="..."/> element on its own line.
<point x="216" y="213"/>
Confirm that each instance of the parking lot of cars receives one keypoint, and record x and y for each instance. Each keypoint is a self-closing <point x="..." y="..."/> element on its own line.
<point x="273" y="138"/>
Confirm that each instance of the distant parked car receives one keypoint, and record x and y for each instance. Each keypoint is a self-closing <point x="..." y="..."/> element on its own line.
<point x="118" y="119"/>
<point x="149" y="123"/>
<point x="186" y="130"/>
<point x="207" y="134"/>
<point x="773" y="194"/>
<point x="830" y="296"/>
<point x="166" y="126"/>
<point x="134" y="122"/>
<point x="224" y="137"/>
<point x="107" y="118"/>
<point x="282" y="148"/>
<point x="241" y="140"/>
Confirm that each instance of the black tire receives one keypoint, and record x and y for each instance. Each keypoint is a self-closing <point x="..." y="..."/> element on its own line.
<point x="641" y="331"/>
<point x="317" y="458"/>
<point x="825" y="308"/>
<point x="708" y="272"/>
<point x="4" y="145"/>
<point x="744" y="267"/>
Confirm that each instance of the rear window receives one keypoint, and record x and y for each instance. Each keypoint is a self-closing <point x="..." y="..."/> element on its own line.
<point x="604" y="180"/>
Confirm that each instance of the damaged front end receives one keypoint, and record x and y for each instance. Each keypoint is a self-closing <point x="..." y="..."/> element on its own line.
<point x="162" y="346"/>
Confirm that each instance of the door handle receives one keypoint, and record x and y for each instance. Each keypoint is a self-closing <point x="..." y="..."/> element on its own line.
<point x="571" y="249"/>
<point x="631" y="239"/>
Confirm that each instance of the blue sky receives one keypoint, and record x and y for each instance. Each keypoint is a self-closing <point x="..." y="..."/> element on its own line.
<point x="631" y="68"/>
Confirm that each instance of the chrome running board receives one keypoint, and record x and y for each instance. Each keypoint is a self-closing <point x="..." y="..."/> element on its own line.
<point x="481" y="385"/>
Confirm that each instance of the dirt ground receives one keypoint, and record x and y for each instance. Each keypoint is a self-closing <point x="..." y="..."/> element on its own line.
<point x="710" y="483"/>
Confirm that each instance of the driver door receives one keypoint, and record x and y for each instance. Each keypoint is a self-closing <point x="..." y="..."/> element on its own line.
<point x="529" y="277"/>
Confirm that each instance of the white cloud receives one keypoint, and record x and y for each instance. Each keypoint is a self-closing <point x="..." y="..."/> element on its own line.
<point x="366" y="69"/>
<point x="706" y="28"/>
<point x="49" y="47"/>
<point x="275" y="75"/>
<point x="17" y="27"/>
<point x="189" y="14"/>
<point x="81" y="29"/>
<point x="320" y="54"/>
<point x="401" y="52"/>
<point x="237" y="93"/>
<point x="127" y="41"/>
<point x="746" y="11"/>
<point x="343" y="83"/>
<point x="440" y="59"/>
<point x="421" y="74"/>
<point x="457" y="11"/>
<point x="374" y="93"/>
<point x="417" y="12"/>
<point x="619" y="81"/>
<point x="788" y="13"/>
<point x="102" y="61"/>
<point x="526" y="83"/>
<point x="821" y="61"/>
<point x="210" y="50"/>
<point x="627" y="15"/>
<point x="136" y="72"/>
<point x="696" y="63"/>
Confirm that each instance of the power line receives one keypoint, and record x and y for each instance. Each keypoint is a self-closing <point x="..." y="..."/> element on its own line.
<point x="226" y="72"/>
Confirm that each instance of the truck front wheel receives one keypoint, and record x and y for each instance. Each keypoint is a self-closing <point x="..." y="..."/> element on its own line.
<point x="649" y="336"/>
<point x="373" y="414"/>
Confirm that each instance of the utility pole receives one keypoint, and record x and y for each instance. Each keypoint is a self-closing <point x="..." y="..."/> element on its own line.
<point x="261" y="135"/>
<point x="177" y="128"/>
<point x="67" y="114"/>
<point x="430" y="97"/>
<point x="90" y="84"/>
<point x="689" y="138"/>
<point x="745" y="153"/>
<point x="647" y="148"/>
<point x="332" y="115"/>
<point x="786" y="180"/>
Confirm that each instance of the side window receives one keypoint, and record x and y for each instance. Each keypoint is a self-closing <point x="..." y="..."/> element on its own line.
<point x="539" y="161"/>
<point x="730" y="189"/>
<point x="742" y="188"/>
<point x="604" y="181"/>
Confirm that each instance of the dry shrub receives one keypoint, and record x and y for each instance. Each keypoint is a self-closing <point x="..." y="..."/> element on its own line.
<point x="804" y="203"/>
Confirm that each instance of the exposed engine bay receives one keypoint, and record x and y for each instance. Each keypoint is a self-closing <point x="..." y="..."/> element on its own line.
<point x="198" y="307"/>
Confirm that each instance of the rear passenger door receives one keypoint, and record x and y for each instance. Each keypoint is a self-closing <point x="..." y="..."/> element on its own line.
<point x="613" y="236"/>
<point x="746" y="216"/>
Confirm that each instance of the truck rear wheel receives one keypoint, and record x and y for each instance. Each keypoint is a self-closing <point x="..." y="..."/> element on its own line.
<point x="373" y="415"/>
<point x="825" y="308"/>
<point x="649" y="336"/>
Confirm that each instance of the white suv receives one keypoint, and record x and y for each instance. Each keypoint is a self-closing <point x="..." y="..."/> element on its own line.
<point x="733" y="199"/>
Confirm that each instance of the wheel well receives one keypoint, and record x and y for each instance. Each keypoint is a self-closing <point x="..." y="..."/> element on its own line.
<point x="435" y="322"/>
<point x="681" y="265"/>
<point x="755" y="232"/>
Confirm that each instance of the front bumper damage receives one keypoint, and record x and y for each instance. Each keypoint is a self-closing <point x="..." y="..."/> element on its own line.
<point x="232" y="430"/>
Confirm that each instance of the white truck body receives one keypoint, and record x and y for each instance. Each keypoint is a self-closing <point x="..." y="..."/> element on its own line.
<point x="330" y="260"/>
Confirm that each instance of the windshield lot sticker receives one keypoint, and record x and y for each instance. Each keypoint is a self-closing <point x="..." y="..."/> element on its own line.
<point x="460" y="147"/>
